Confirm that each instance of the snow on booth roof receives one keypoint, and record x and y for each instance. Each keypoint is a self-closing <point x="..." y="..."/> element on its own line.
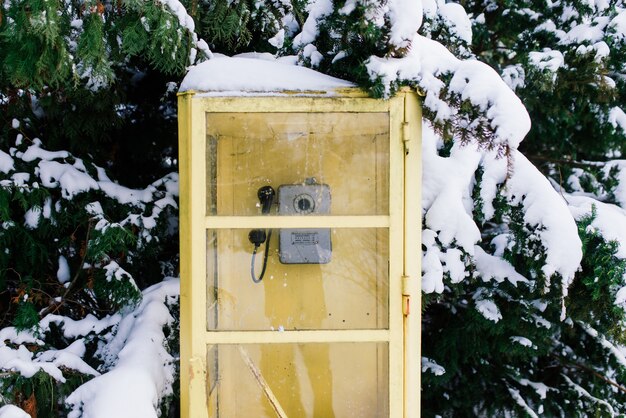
<point x="250" y="74"/>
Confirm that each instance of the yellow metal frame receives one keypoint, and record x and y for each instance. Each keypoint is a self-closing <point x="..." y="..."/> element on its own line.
<point x="403" y="222"/>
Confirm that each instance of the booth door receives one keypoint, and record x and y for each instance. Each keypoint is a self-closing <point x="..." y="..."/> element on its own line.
<point x="314" y="337"/>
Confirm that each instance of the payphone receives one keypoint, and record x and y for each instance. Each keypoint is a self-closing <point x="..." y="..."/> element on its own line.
<point x="325" y="188"/>
<point x="296" y="246"/>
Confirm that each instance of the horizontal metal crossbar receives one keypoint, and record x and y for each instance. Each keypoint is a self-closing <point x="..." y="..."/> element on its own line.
<point x="247" y="222"/>
<point x="282" y="337"/>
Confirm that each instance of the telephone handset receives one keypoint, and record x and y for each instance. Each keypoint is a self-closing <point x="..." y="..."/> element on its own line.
<point x="260" y="236"/>
<point x="296" y="246"/>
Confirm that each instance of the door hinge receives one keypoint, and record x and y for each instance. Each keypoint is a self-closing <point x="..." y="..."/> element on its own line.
<point x="406" y="295"/>
<point x="406" y="136"/>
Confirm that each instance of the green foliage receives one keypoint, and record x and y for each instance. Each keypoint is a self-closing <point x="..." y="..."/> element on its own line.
<point x="43" y="225"/>
<point x="568" y="105"/>
<point x="484" y="361"/>
<point x="92" y="51"/>
<point x="227" y="22"/>
<point x="168" y="47"/>
<point x="40" y="395"/>
<point x="26" y="317"/>
<point x="594" y="291"/>
<point x="241" y="25"/>
<point x="115" y="293"/>
<point x="347" y="40"/>
<point x="37" y="54"/>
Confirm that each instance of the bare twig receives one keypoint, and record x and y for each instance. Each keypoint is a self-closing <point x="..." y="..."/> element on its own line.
<point x="55" y="307"/>
<point x="574" y="163"/>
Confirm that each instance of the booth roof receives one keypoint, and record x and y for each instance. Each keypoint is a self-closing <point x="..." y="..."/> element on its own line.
<point x="256" y="73"/>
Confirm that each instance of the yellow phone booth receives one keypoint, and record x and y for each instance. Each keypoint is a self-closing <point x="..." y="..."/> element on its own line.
<point x="300" y="254"/>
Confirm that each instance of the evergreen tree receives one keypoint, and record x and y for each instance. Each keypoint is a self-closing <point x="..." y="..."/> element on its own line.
<point x="565" y="60"/>
<point x="524" y="273"/>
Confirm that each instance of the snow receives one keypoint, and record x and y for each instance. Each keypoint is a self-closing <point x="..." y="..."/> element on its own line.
<point x="548" y="59"/>
<point x="21" y="360"/>
<point x="278" y="40"/>
<point x="453" y="265"/>
<point x="20" y="179"/>
<point x="340" y="55"/>
<point x="63" y="272"/>
<point x="19" y="337"/>
<point x="6" y="162"/>
<point x="180" y="12"/>
<point x="492" y="267"/>
<point x="432" y="275"/>
<point x="124" y="194"/>
<point x="559" y="236"/>
<point x="73" y="328"/>
<point x="187" y="22"/>
<point x="619" y="25"/>
<point x="54" y="171"/>
<point x="582" y="392"/>
<point x="35" y="152"/>
<point x="619" y="356"/>
<point x="141" y="369"/>
<point x="610" y="219"/>
<point x="71" y="180"/>
<point x="457" y="20"/>
<point x="12" y="411"/>
<point x="447" y="205"/>
<point x="348" y="7"/>
<point x="514" y="76"/>
<point x="317" y="9"/>
<point x="522" y="341"/>
<point x="405" y="17"/>
<point x="429" y="365"/>
<point x="584" y="33"/>
<point x="69" y="358"/>
<point x="446" y="198"/>
<point x="310" y="51"/>
<point x="620" y="189"/>
<point x="488" y="309"/>
<point x="114" y="271"/>
<point x="520" y="401"/>
<point x="46" y="211"/>
<point x="427" y="61"/>
<point x="617" y="118"/>
<point x="31" y="217"/>
<point x="236" y="75"/>
<point x="540" y="388"/>
<point x="137" y="370"/>
<point x="620" y="296"/>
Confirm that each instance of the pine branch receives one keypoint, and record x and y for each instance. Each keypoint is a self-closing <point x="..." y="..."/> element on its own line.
<point x="590" y="370"/>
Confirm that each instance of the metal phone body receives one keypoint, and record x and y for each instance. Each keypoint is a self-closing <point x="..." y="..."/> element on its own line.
<point x="304" y="246"/>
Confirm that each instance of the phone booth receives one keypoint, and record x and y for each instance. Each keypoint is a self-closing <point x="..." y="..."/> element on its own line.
<point x="300" y="254"/>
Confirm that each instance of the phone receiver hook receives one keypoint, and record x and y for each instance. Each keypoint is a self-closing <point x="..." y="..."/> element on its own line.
<point x="259" y="236"/>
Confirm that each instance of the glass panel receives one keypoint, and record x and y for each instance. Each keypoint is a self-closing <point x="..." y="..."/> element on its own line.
<point x="349" y="291"/>
<point x="347" y="154"/>
<point x="323" y="380"/>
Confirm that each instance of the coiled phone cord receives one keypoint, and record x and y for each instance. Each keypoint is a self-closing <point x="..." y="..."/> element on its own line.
<point x="267" y="252"/>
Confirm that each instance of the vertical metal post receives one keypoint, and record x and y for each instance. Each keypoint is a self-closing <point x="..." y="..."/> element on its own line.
<point x="192" y="157"/>
<point x="412" y="254"/>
